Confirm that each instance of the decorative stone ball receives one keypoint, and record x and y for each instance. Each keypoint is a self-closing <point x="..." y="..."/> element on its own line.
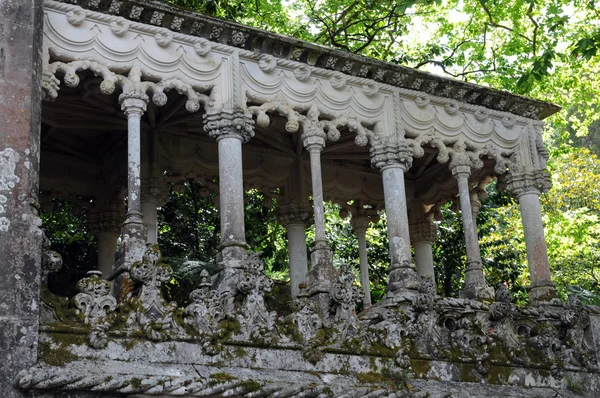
<point x="107" y="87"/>
<point x="292" y="125"/>
<point x="361" y="140"/>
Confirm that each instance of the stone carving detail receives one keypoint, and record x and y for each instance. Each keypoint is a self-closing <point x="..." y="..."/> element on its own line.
<point x="157" y="18"/>
<point x="94" y="300"/>
<point x="132" y="85"/>
<point x="302" y="73"/>
<point x="267" y="63"/>
<point x="119" y="27"/>
<point x="238" y="38"/>
<point x="338" y="81"/>
<point x="255" y="320"/>
<point x="216" y="33"/>
<point x="115" y="7"/>
<point x="76" y="16"/>
<point x="345" y="295"/>
<point x="149" y="310"/>
<point x="305" y="317"/>
<point x="136" y="12"/>
<point x="163" y="39"/>
<point x="176" y="23"/>
<point x="202" y="47"/>
<point x="315" y="128"/>
<point x="229" y="123"/>
<point x="206" y="311"/>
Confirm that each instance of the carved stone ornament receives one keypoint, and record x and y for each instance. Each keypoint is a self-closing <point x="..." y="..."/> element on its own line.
<point x="76" y="16"/>
<point x="150" y="311"/>
<point x="302" y="73"/>
<point x="206" y="311"/>
<point x="94" y="300"/>
<point x="253" y="316"/>
<point x="523" y="183"/>
<point x="385" y="155"/>
<point x="267" y="63"/>
<point x="163" y="38"/>
<point x="119" y="27"/>
<point x="230" y="124"/>
<point x="345" y="296"/>
<point x="202" y="47"/>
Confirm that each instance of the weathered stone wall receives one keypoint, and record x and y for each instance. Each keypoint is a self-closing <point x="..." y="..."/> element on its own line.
<point x="20" y="236"/>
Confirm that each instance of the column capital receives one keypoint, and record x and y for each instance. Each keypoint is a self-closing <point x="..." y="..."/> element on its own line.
<point x="134" y="102"/>
<point x="425" y="231"/>
<point x="360" y="220"/>
<point x="154" y="189"/>
<point x="313" y="138"/>
<point x="391" y="155"/>
<point x="294" y="214"/>
<point x="108" y="221"/>
<point x="520" y="183"/>
<point x="229" y="123"/>
<point x="460" y="165"/>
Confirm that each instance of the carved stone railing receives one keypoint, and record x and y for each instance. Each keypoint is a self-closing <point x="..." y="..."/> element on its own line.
<point x="401" y="337"/>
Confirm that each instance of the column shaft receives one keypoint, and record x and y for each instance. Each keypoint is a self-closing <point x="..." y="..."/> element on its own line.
<point x="364" y="265"/>
<point x="134" y="160"/>
<point x="298" y="257"/>
<point x="424" y="259"/>
<point x="469" y="226"/>
<point x="317" y="188"/>
<point x="231" y="186"/>
<point x="475" y="286"/>
<point x="107" y="246"/>
<point x="396" y="212"/>
<point x="537" y="254"/>
<point x="150" y="215"/>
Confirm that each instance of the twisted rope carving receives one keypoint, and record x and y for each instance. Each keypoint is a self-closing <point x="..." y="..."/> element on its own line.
<point x="68" y="379"/>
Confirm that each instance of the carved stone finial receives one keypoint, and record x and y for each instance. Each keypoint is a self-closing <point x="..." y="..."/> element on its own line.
<point x="152" y="313"/>
<point x="254" y="318"/>
<point x="206" y="310"/>
<point x="94" y="300"/>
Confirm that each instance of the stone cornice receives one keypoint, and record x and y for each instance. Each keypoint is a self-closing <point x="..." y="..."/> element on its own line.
<point x="215" y="30"/>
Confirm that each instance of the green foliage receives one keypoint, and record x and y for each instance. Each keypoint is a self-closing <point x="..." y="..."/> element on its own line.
<point x="69" y="237"/>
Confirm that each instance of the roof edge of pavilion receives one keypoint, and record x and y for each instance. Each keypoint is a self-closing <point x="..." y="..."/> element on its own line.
<point x="216" y="30"/>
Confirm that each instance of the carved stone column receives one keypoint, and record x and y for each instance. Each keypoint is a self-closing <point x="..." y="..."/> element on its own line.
<point x="423" y="232"/>
<point x="527" y="187"/>
<point x="154" y="194"/>
<point x="393" y="161"/>
<point x="106" y="226"/>
<point x="322" y="274"/>
<point x="20" y="236"/>
<point x="295" y="219"/>
<point x="231" y="129"/>
<point x="360" y="224"/>
<point x="475" y="286"/>
<point x="133" y="232"/>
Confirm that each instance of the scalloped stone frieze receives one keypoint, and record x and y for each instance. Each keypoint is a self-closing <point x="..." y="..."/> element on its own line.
<point x="239" y="36"/>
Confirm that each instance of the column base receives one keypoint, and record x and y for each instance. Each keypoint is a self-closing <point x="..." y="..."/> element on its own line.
<point x="481" y="292"/>
<point x="403" y="279"/>
<point x="321" y="277"/>
<point x="542" y="292"/>
<point x="133" y="240"/>
<point x="475" y="287"/>
<point x="232" y="256"/>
